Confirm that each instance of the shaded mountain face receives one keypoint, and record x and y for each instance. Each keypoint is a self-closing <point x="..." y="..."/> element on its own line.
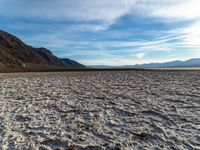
<point x="16" y="54"/>
<point x="73" y="63"/>
<point x="50" y="58"/>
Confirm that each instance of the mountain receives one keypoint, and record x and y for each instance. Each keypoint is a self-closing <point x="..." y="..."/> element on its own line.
<point x="72" y="63"/>
<point x="174" y="64"/>
<point x="195" y="62"/>
<point x="104" y="66"/>
<point x="15" y="54"/>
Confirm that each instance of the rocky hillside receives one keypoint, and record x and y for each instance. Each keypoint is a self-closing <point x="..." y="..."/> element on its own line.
<point x="15" y="54"/>
<point x="72" y="63"/>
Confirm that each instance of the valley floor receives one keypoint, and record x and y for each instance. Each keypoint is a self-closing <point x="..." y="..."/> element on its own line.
<point x="100" y="110"/>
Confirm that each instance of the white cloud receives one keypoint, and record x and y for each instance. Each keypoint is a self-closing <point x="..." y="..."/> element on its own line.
<point x="193" y="35"/>
<point x="140" y="55"/>
<point x="175" y="10"/>
<point x="185" y="9"/>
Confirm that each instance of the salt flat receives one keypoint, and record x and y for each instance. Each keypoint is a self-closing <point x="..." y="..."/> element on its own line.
<point x="100" y="110"/>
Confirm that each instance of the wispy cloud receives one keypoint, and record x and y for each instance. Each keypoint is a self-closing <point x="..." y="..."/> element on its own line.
<point x="108" y="31"/>
<point x="104" y="11"/>
<point x="184" y="9"/>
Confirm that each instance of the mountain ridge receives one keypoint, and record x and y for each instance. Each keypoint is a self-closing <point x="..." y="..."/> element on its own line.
<point x="15" y="54"/>
<point x="194" y="62"/>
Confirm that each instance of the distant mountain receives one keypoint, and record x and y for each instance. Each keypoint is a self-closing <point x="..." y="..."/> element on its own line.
<point x="174" y="64"/>
<point x="15" y="54"/>
<point x="104" y="66"/>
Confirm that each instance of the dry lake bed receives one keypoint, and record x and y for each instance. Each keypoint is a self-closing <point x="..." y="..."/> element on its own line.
<point x="100" y="110"/>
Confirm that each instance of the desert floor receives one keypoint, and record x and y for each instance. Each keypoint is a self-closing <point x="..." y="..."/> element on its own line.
<point x="100" y="110"/>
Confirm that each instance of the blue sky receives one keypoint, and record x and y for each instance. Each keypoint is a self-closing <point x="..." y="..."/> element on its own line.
<point x="107" y="32"/>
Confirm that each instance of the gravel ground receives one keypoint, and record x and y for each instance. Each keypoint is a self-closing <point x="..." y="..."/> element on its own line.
<point x="100" y="110"/>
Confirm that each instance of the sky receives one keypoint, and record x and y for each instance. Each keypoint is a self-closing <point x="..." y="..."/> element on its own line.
<point x="107" y="32"/>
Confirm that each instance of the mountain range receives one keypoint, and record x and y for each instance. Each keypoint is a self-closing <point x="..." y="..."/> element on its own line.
<point x="191" y="63"/>
<point x="16" y="55"/>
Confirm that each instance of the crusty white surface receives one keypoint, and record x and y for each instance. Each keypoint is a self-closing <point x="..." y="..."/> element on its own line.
<point x="100" y="110"/>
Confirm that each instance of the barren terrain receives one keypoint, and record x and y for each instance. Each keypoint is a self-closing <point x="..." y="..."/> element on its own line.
<point x="100" y="110"/>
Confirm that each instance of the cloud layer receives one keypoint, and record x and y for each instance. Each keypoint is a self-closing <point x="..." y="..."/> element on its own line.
<point x="107" y="31"/>
<point x="88" y="10"/>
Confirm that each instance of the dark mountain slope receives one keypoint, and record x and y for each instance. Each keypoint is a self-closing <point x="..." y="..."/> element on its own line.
<point x="16" y="54"/>
<point x="72" y="63"/>
<point x="50" y="58"/>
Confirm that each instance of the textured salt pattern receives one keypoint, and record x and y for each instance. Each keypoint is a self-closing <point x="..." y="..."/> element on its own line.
<point x="100" y="110"/>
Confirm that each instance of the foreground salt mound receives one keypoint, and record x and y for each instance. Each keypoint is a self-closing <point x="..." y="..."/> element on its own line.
<point x="100" y="110"/>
